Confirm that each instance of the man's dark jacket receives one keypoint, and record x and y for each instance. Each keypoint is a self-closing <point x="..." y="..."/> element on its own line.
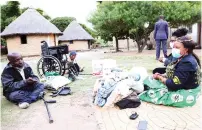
<point x="12" y="80"/>
<point x="161" y="30"/>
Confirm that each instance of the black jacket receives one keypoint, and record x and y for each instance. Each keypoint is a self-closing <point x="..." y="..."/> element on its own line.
<point x="12" y="80"/>
<point x="185" y="74"/>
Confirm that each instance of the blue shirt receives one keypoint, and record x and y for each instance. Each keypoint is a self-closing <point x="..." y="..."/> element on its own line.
<point x="169" y="59"/>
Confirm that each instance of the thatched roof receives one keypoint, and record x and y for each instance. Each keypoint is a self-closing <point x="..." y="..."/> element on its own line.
<point x="74" y="31"/>
<point x="30" y="22"/>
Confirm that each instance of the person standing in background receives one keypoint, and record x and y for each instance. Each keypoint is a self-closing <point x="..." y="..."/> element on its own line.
<point x="161" y="36"/>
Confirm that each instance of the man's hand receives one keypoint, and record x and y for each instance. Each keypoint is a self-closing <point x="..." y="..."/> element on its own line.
<point x="30" y="80"/>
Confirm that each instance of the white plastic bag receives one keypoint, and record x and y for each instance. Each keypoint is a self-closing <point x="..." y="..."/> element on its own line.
<point x="56" y="81"/>
<point x="103" y="67"/>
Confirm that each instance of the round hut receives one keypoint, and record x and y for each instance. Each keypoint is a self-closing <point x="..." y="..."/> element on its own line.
<point x="76" y="37"/>
<point x="24" y="35"/>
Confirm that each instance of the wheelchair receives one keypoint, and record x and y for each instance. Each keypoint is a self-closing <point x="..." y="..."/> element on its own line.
<point x="54" y="60"/>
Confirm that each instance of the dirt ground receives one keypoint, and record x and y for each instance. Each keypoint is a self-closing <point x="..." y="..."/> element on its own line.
<point x="76" y="111"/>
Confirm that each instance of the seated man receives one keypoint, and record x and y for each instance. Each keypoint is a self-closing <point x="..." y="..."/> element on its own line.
<point x="73" y="64"/>
<point x="20" y="85"/>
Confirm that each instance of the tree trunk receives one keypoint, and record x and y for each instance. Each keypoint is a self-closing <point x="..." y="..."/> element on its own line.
<point x="117" y="44"/>
<point x="128" y="43"/>
<point x="138" y="46"/>
<point x="141" y="45"/>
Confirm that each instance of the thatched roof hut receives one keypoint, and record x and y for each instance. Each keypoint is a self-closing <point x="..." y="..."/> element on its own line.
<point x="76" y="37"/>
<point x="26" y="33"/>
<point x="74" y="31"/>
<point x="30" y="22"/>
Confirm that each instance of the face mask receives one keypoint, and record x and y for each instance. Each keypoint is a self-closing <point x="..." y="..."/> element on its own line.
<point x="176" y="53"/>
<point x="171" y="44"/>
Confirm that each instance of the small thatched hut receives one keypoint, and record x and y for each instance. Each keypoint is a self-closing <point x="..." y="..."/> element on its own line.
<point x="76" y="37"/>
<point x="25" y="34"/>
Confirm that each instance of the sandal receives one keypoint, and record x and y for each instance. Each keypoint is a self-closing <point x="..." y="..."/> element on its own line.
<point x="134" y="116"/>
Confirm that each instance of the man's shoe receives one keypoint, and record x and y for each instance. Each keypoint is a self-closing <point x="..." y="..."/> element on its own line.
<point x="23" y="105"/>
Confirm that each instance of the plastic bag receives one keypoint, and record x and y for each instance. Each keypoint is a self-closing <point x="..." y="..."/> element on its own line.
<point x="55" y="82"/>
<point x="103" y="67"/>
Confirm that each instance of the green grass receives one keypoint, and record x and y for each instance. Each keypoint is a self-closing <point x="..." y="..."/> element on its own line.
<point x="10" y="114"/>
<point x="128" y="62"/>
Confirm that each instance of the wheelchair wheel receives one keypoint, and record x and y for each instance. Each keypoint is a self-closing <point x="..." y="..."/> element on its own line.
<point x="48" y="64"/>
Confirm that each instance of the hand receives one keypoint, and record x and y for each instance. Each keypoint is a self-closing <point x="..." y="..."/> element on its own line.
<point x="162" y="79"/>
<point x="161" y="59"/>
<point x="158" y="76"/>
<point x="154" y="76"/>
<point x="30" y="80"/>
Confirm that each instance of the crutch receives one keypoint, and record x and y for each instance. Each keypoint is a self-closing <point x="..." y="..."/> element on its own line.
<point x="41" y="96"/>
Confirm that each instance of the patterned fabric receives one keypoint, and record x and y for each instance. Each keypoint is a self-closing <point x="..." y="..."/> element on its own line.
<point x="107" y="86"/>
<point x="170" y="70"/>
<point x="198" y="75"/>
<point x="158" y="92"/>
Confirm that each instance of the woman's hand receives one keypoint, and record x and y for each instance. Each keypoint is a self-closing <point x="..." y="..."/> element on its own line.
<point x="155" y="76"/>
<point x="162" y="79"/>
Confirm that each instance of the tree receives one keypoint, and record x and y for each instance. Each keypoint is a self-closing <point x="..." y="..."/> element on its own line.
<point x="127" y="19"/>
<point x="12" y="8"/>
<point x="176" y="13"/>
<point x="62" y="22"/>
<point x="9" y="12"/>
<point x="109" y="21"/>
